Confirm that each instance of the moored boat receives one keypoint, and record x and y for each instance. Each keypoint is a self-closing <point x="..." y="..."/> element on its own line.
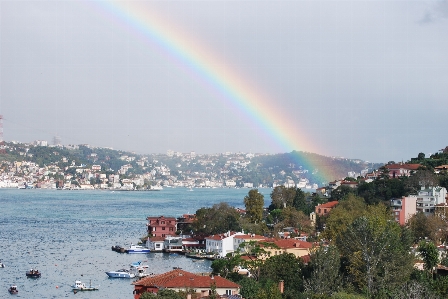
<point x="80" y="286"/>
<point x="33" y="273"/>
<point x="137" y="249"/>
<point x="122" y="273"/>
<point x="13" y="289"/>
<point x="138" y="264"/>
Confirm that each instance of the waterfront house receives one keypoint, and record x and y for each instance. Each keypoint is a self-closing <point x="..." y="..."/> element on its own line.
<point x="161" y="226"/>
<point x="221" y="244"/>
<point x="155" y="244"/>
<point x="172" y="244"/>
<point x="180" y="280"/>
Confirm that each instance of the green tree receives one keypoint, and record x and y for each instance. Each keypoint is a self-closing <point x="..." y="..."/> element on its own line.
<point x="430" y="255"/>
<point x="342" y="216"/>
<point x="249" y="287"/>
<point x="376" y="251"/>
<point x="282" y="197"/>
<point x="286" y="267"/>
<point x="299" y="201"/>
<point x="254" y="203"/>
<point x="324" y="268"/>
<point x="216" y="220"/>
<point x="269" y="291"/>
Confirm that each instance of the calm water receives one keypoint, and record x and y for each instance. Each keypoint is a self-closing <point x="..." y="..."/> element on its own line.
<point x="67" y="235"/>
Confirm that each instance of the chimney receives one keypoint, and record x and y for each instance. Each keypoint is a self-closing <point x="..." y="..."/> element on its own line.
<point x="281" y="286"/>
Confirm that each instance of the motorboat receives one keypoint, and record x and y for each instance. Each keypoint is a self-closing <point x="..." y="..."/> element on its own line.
<point x="137" y="249"/>
<point x="13" y="289"/>
<point x="139" y="264"/>
<point x="33" y="273"/>
<point x="80" y="286"/>
<point x="122" y="273"/>
<point x="141" y="272"/>
<point x="1" y="264"/>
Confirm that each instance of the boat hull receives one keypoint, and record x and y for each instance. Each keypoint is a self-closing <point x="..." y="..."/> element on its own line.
<point x="138" y="251"/>
<point x="120" y="275"/>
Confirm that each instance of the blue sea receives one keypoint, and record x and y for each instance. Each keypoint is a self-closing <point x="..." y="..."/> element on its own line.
<point x="68" y="235"/>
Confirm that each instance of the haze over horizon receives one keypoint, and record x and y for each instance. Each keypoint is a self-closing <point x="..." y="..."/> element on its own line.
<point x="357" y="79"/>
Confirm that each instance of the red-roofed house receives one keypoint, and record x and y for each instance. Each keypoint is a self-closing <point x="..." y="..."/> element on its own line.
<point x="296" y="247"/>
<point x="245" y="238"/>
<point x="221" y="244"/>
<point x="401" y="169"/>
<point x="161" y="226"/>
<point x="180" y="280"/>
<point x="325" y="208"/>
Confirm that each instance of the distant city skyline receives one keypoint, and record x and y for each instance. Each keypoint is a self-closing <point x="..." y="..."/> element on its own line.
<point x="356" y="79"/>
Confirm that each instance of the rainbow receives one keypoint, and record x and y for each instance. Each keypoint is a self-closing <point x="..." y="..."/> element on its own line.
<point x="195" y="58"/>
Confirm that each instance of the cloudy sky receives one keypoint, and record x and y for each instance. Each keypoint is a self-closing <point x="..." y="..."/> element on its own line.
<point x="358" y="79"/>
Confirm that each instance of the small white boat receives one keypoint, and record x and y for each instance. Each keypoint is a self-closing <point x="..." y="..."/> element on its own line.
<point x="1" y="264"/>
<point x="141" y="272"/>
<point x="13" y="289"/>
<point x="80" y="286"/>
<point x="138" y="264"/>
<point x="122" y="273"/>
<point x="137" y="249"/>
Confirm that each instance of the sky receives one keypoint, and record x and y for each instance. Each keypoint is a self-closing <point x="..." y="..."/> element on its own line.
<point x="356" y="79"/>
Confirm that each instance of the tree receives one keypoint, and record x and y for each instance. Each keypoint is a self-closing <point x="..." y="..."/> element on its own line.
<point x="324" y="267"/>
<point x="249" y="287"/>
<point x="254" y="203"/>
<point x="216" y="220"/>
<point x="342" y="192"/>
<point x="299" y="201"/>
<point x="162" y="294"/>
<point x="290" y="217"/>
<point x="282" y="197"/>
<point x="286" y="267"/>
<point x="432" y="227"/>
<point x="376" y="251"/>
<point x="342" y="216"/>
<point x="430" y="255"/>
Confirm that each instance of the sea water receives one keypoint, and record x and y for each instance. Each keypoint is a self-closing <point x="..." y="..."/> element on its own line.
<point x="68" y="236"/>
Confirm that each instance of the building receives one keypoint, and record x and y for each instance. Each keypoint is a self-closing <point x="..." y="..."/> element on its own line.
<point x="324" y="209"/>
<point x="428" y="198"/>
<point x="220" y="244"/>
<point x="401" y="169"/>
<point x="161" y="226"/>
<point x="180" y="280"/>
<point x="155" y="244"/>
<point x="172" y="244"/>
<point x="296" y="247"/>
<point x="403" y="208"/>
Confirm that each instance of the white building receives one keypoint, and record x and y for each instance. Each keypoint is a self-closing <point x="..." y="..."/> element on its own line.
<point x="427" y="198"/>
<point x="221" y="244"/>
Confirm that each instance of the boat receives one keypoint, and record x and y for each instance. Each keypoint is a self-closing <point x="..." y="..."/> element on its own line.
<point x="33" y="273"/>
<point x="141" y="272"/>
<point x="122" y="273"/>
<point x="137" y="249"/>
<point x="1" y="264"/>
<point x="13" y="289"/>
<point x="138" y="264"/>
<point x="80" y="286"/>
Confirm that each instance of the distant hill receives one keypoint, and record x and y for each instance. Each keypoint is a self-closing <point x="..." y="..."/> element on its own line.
<point x="265" y="169"/>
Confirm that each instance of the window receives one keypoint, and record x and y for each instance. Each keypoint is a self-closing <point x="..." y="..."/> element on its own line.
<point x="163" y="228"/>
<point x="228" y="292"/>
